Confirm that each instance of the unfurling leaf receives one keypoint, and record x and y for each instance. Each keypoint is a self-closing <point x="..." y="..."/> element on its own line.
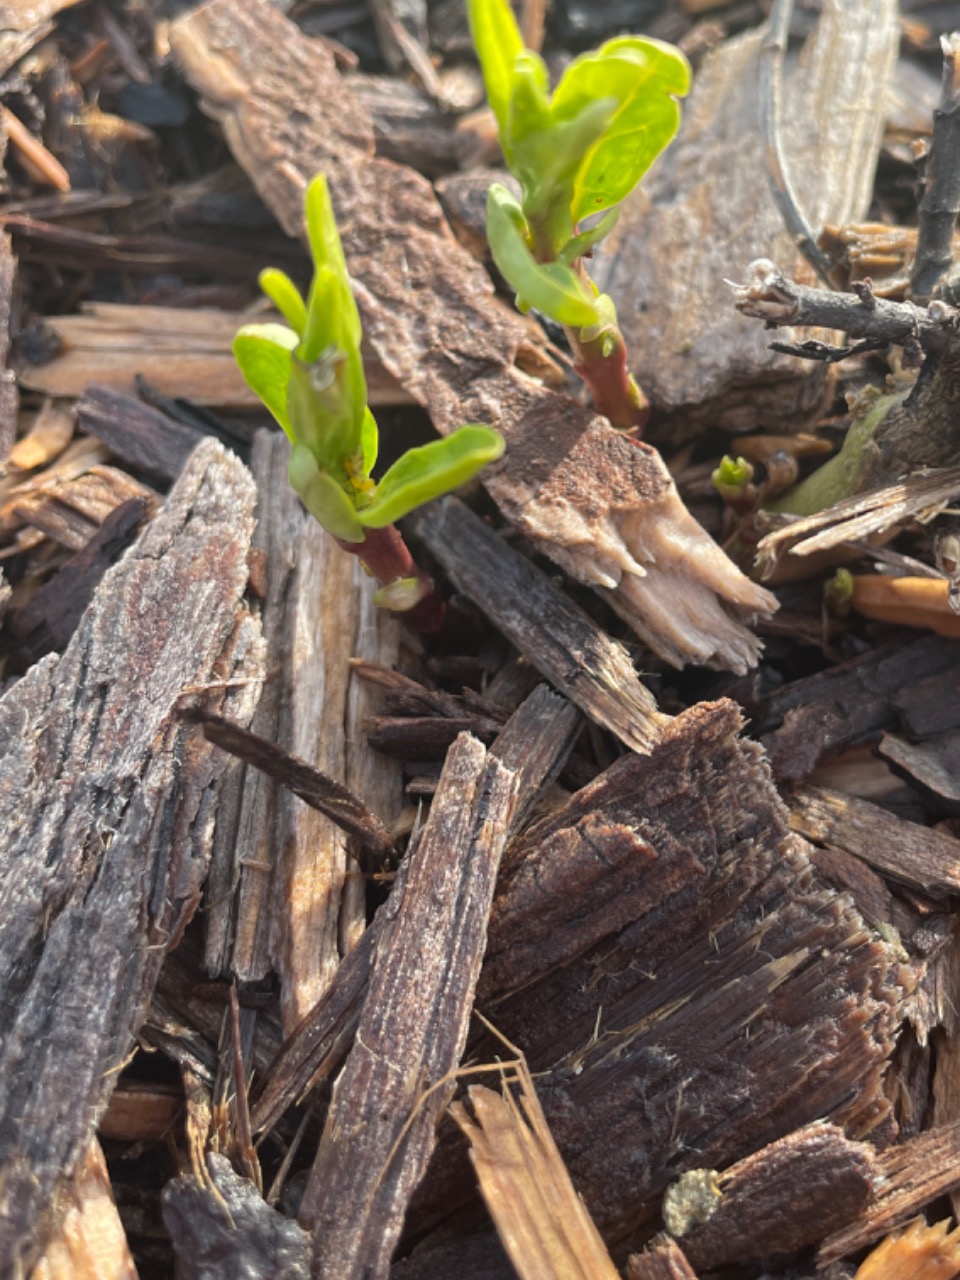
<point x="553" y="288"/>
<point x="285" y="296"/>
<point x="497" y="40"/>
<point x="431" y="471"/>
<point x="264" y="354"/>
<point x="322" y="496"/>
<point x="645" y="77"/>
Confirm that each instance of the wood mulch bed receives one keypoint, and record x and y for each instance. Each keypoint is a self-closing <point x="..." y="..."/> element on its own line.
<point x="609" y="933"/>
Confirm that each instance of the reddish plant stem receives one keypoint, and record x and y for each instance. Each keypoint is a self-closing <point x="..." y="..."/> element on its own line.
<point x="613" y="388"/>
<point x="386" y="556"/>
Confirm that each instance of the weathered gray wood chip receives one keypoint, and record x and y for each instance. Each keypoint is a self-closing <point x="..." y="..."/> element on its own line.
<point x="107" y="805"/>
<point x="706" y="212"/>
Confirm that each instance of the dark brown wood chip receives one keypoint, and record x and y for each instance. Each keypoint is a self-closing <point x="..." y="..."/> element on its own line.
<point x="918" y="856"/>
<point x="555" y="634"/>
<point x="314" y="787"/>
<point x="782" y="1198"/>
<point x="911" y="1176"/>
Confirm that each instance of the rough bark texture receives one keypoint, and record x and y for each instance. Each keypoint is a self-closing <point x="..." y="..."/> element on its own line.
<point x="8" y="386"/>
<point x="283" y="888"/>
<point x="107" y="802"/>
<point x="706" y="212"/>
<point x="741" y="1001"/>
<point x="222" y="1229"/>
<point x="600" y="505"/>
<point x="782" y="1198"/>
<point x="380" y="1129"/>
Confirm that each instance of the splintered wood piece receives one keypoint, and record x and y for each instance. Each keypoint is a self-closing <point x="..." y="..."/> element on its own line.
<point x="142" y="1112"/>
<point x="911" y="1176"/>
<point x="918" y="1253"/>
<point x="278" y="887"/>
<point x="555" y="634"/>
<point x="143" y="437"/>
<point x="318" y="1045"/>
<point x="8" y="384"/>
<point x="380" y="1129"/>
<point x="918" y="856"/>
<point x="663" y="1260"/>
<point x="107" y="802"/>
<point x="536" y="742"/>
<point x="49" y="435"/>
<point x="706" y="212"/>
<point x="599" y="504"/>
<point x="867" y="513"/>
<point x="742" y="1002"/>
<point x="71" y="511"/>
<point x="221" y="1228"/>
<point x="852" y="702"/>
<point x="541" y="1220"/>
<point x="782" y="1198"/>
<point x="90" y="1243"/>
<point x="313" y="787"/>
<point x="180" y="351"/>
<point x="934" y="764"/>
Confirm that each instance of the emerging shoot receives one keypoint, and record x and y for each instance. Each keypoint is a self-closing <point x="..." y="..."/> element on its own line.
<point x="310" y="376"/>
<point x="576" y="153"/>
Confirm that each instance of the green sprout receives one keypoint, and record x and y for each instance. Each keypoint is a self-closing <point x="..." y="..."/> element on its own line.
<point x="576" y="153"/>
<point x="310" y="376"/>
<point x="733" y="480"/>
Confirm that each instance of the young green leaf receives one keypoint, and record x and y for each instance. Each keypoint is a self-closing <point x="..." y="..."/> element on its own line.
<point x="329" y="505"/>
<point x="431" y="471"/>
<point x="552" y="288"/>
<point x="581" y="244"/>
<point x="497" y="40"/>
<point x="285" y="296"/>
<point x="369" y="441"/>
<point x="645" y="77"/>
<point x="264" y="354"/>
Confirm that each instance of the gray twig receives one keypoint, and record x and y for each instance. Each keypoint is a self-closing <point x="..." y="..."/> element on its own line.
<point x="771" y="297"/>
<point x="941" y="181"/>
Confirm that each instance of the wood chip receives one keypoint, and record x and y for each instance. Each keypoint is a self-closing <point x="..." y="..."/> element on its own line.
<point x="912" y="1175"/>
<point x="380" y="1129"/>
<point x="51" y="432"/>
<point x="107" y="799"/>
<point x="541" y="1220"/>
<point x="542" y="726"/>
<point x="852" y="702"/>
<point x="561" y="641"/>
<point x="663" y="1260"/>
<point x="280" y="886"/>
<point x="596" y="502"/>
<point x="8" y="386"/>
<point x="145" y="438"/>
<point x="222" y="1228"/>
<point x="50" y="617"/>
<point x="777" y="1201"/>
<point x="741" y="1004"/>
<point x="180" y="351"/>
<point x="706" y="212"/>
<point x="90" y="1243"/>
<point x="915" y="855"/>
<point x="918" y="1253"/>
